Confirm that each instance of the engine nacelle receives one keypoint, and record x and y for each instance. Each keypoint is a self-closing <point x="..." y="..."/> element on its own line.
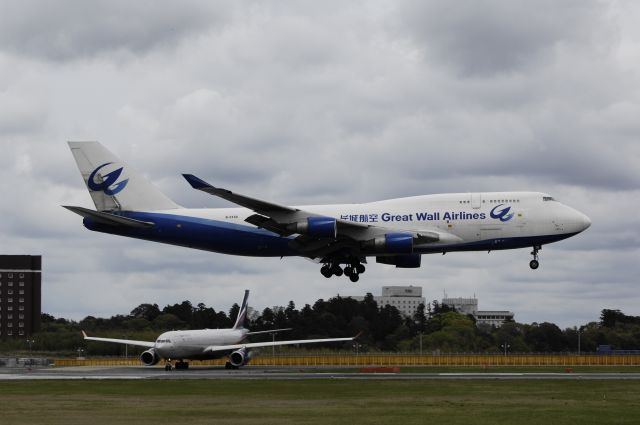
<point x="319" y="227"/>
<point x="150" y="357"/>
<point x="391" y="243"/>
<point x="240" y="357"/>
<point x="401" y="261"/>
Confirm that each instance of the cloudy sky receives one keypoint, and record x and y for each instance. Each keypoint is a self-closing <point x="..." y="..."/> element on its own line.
<point x="324" y="102"/>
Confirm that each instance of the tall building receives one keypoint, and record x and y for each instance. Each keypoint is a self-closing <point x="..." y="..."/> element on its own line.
<point x="20" y="295"/>
<point x="405" y="298"/>
<point x="470" y="306"/>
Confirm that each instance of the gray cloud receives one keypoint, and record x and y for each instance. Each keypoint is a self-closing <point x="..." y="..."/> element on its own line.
<point x="72" y="29"/>
<point x="483" y="38"/>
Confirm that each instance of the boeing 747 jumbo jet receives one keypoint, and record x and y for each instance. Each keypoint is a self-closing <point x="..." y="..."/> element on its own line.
<point x="203" y="344"/>
<point x="395" y="231"/>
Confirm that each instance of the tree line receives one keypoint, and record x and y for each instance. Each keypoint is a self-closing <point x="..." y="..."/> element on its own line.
<point x="434" y="328"/>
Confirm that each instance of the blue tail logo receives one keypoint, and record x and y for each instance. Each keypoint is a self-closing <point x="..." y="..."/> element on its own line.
<point x="108" y="185"/>
<point x="503" y="214"/>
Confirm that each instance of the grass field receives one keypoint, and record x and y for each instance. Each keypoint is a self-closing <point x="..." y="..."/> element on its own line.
<point x="319" y="401"/>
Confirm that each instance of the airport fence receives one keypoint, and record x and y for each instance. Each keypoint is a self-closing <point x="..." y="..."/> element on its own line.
<point x="360" y="360"/>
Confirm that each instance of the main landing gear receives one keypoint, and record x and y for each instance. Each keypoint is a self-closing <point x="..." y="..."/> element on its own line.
<point x="180" y="365"/>
<point x="534" y="264"/>
<point x="352" y="270"/>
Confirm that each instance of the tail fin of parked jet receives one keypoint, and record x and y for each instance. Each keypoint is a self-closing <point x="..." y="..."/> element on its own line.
<point x="242" y="313"/>
<point x="112" y="184"/>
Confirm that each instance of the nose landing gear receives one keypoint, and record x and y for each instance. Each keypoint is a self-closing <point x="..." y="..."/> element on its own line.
<point x="534" y="264"/>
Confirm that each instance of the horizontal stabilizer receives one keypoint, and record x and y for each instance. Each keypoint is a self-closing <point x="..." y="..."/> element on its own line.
<point x="108" y="218"/>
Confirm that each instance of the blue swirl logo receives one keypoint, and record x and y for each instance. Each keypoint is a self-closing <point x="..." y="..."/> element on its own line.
<point x="108" y="184"/>
<point x="502" y="214"/>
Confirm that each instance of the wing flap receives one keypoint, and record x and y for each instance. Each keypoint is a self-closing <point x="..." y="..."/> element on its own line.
<point x="268" y="224"/>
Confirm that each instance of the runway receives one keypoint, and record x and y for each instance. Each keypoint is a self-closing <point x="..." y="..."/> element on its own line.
<point x="249" y="373"/>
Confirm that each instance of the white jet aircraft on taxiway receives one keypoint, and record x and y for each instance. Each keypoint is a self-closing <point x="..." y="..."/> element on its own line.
<point x="203" y="344"/>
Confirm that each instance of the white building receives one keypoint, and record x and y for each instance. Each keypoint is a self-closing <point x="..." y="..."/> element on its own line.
<point x="405" y="298"/>
<point x="493" y="318"/>
<point x="462" y="305"/>
<point x="470" y="306"/>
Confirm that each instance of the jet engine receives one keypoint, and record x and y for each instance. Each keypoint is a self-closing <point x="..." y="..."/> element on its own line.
<point x="240" y="357"/>
<point x="150" y="357"/>
<point x="319" y="227"/>
<point x="392" y="243"/>
<point x="401" y="261"/>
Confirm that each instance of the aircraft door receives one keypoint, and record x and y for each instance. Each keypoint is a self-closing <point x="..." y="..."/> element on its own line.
<point x="520" y="219"/>
<point x="476" y="200"/>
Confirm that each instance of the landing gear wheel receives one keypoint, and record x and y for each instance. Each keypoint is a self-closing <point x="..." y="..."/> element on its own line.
<point x="228" y="365"/>
<point x="360" y="268"/>
<point x="348" y="271"/>
<point x="354" y="277"/>
<point x="337" y="270"/>
<point x="326" y="271"/>
<point x="182" y="365"/>
<point x="534" y="264"/>
<point x="167" y="367"/>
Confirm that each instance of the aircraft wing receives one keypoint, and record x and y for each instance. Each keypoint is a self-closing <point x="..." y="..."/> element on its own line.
<point x="245" y="201"/>
<point x="214" y="348"/>
<point x="287" y="221"/>
<point x="274" y="217"/>
<point x="270" y="331"/>
<point x="147" y="344"/>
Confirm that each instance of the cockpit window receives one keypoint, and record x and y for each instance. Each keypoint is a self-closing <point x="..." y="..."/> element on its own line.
<point x="547" y="198"/>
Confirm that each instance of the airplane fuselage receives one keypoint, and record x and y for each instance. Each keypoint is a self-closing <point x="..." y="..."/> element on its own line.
<point x="191" y="344"/>
<point x="476" y="221"/>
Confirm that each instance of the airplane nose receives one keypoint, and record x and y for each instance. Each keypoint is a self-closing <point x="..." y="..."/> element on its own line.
<point x="583" y="221"/>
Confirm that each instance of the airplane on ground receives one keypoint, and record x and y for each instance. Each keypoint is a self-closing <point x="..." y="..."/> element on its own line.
<point x="395" y="231"/>
<point x="203" y="344"/>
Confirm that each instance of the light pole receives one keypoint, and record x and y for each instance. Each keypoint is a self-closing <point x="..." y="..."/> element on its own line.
<point x="421" y="343"/>
<point x="30" y="342"/>
<point x="506" y="347"/>
<point x="273" y="347"/>
<point x="579" y="333"/>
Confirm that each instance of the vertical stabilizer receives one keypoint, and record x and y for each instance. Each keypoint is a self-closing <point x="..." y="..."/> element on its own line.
<point x="242" y="313"/>
<point x="113" y="185"/>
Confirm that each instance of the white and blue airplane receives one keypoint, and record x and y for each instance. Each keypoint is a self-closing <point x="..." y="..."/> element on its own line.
<point x="394" y="231"/>
<point x="204" y="344"/>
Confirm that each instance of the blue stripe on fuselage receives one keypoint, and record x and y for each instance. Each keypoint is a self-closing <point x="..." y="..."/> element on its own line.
<point x="498" y="244"/>
<point x="201" y="233"/>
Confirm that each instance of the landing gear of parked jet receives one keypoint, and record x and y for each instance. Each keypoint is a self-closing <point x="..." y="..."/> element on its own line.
<point x="180" y="365"/>
<point x="352" y="271"/>
<point x="167" y="365"/>
<point x="534" y="264"/>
